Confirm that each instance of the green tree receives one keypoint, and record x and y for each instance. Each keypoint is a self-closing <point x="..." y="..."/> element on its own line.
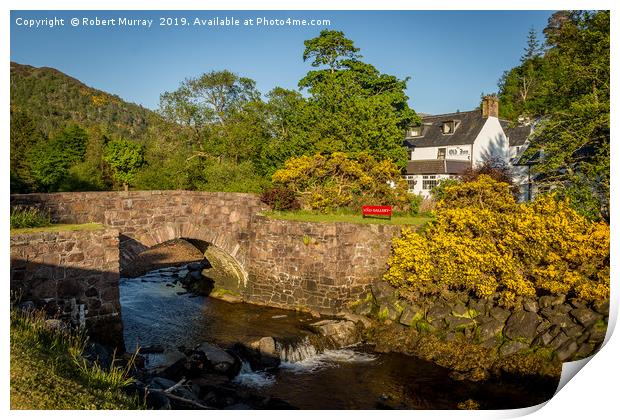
<point x="24" y="136"/>
<point x="50" y="161"/>
<point x="125" y="158"/>
<point x="329" y="49"/>
<point x="352" y="107"/>
<point x="571" y="100"/>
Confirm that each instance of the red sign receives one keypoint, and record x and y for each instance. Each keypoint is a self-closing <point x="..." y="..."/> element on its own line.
<point x="377" y="211"/>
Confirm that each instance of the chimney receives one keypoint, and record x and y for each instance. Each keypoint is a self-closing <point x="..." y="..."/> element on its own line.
<point x="490" y="106"/>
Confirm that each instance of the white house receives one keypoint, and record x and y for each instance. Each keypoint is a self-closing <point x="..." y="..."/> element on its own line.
<point x="445" y="146"/>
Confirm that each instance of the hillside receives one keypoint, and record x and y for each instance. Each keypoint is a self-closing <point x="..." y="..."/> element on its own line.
<point x="52" y="99"/>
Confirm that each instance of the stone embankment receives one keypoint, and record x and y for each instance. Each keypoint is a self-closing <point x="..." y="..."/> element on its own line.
<point x="476" y="337"/>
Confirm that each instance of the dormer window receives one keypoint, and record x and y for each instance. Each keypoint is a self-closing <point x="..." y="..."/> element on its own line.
<point x="448" y="127"/>
<point x="414" y="132"/>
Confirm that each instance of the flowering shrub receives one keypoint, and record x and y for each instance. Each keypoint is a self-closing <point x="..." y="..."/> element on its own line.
<point x="280" y="199"/>
<point x="327" y="183"/>
<point x="483" y="242"/>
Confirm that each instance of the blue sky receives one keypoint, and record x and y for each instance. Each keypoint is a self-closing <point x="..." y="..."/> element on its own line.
<point x="451" y="56"/>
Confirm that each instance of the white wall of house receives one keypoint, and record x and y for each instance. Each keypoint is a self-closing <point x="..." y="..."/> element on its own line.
<point x="423" y="184"/>
<point x="491" y="142"/>
<point x="460" y="152"/>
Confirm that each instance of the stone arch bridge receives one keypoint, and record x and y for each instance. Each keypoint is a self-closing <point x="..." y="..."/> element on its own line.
<point x="300" y="265"/>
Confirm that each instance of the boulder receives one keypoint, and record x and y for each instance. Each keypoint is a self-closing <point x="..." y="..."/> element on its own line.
<point x="389" y="311"/>
<point x="567" y="350"/>
<point x="522" y="325"/>
<point x="342" y="332"/>
<point x="558" y="341"/>
<point x="512" y="347"/>
<point x="577" y="303"/>
<point x="458" y="308"/>
<point x="551" y="300"/>
<point x="174" y="365"/>
<point x="499" y="313"/>
<point x="479" y="306"/>
<point x="411" y="314"/>
<point x="383" y="292"/>
<point x="267" y="345"/>
<point x="602" y="307"/>
<point x="543" y="326"/>
<point x="585" y="316"/>
<point x="530" y="305"/>
<point x="456" y="323"/>
<point x="544" y="339"/>
<point x="365" y="308"/>
<point x="585" y="350"/>
<point x="438" y="311"/>
<point x="597" y="333"/>
<point x="490" y="328"/>
<point x="219" y="359"/>
<point x="358" y="319"/>
<point x="573" y="330"/>
<point x="559" y="319"/>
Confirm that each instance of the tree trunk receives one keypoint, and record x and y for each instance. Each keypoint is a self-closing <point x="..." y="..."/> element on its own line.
<point x="126" y="187"/>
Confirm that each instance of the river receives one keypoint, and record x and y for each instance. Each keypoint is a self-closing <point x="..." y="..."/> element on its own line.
<point x="157" y="312"/>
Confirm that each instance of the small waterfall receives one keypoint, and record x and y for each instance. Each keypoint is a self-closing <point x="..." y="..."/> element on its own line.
<point x="296" y="351"/>
<point x="250" y="378"/>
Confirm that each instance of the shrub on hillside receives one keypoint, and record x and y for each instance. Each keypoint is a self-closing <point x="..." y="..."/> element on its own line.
<point x="279" y="198"/>
<point x="485" y="243"/>
<point x="331" y="182"/>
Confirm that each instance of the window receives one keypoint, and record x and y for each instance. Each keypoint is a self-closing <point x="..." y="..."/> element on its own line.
<point x="447" y="127"/>
<point x="411" y="181"/>
<point x="441" y="153"/>
<point x="414" y="132"/>
<point x="429" y="182"/>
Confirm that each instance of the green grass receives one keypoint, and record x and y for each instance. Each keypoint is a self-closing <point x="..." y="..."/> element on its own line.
<point x="306" y="216"/>
<point x="49" y="372"/>
<point x="58" y="228"/>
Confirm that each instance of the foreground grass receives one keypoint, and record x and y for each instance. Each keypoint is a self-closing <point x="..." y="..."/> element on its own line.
<point x="58" y="228"/>
<point x="305" y="216"/>
<point x="49" y="372"/>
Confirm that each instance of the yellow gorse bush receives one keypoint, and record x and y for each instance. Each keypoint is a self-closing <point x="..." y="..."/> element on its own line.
<point x="483" y="242"/>
<point x="336" y="181"/>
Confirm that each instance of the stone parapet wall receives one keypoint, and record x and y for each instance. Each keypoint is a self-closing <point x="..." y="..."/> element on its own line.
<point x="290" y="264"/>
<point x="147" y="218"/>
<point x="73" y="274"/>
<point x="318" y="266"/>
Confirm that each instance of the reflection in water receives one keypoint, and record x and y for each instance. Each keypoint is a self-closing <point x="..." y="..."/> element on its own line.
<point x="158" y="313"/>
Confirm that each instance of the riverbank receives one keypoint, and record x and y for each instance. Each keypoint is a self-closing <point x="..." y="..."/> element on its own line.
<point x="49" y="372"/>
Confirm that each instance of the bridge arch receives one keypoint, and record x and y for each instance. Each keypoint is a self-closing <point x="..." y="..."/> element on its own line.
<point x="223" y="250"/>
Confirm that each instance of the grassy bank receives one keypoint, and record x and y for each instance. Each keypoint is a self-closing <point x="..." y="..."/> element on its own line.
<point x="58" y="228"/>
<point x="49" y="372"/>
<point x="306" y="216"/>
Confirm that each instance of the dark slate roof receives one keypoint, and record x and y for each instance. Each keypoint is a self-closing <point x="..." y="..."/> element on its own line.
<point x="437" y="166"/>
<point x="517" y="135"/>
<point x="469" y="124"/>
